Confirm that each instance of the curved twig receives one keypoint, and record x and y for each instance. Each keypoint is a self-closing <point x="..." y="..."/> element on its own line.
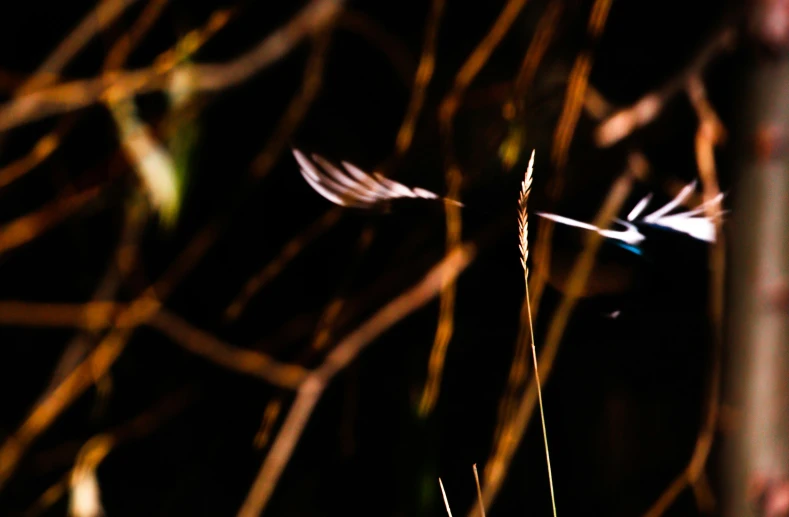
<point x="346" y="351"/>
<point x="206" y="77"/>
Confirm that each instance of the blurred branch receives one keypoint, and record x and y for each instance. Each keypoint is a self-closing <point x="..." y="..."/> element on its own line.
<point x="241" y="360"/>
<point x="534" y="54"/>
<point x="709" y="134"/>
<point x="370" y="29"/>
<point x="117" y="55"/>
<point x="323" y="334"/>
<point x="49" y="71"/>
<point x="404" y="138"/>
<point x="574" y="100"/>
<point x="543" y="35"/>
<point x="102" y="357"/>
<point x="331" y="312"/>
<point x="298" y="107"/>
<point x="206" y="77"/>
<point x="28" y="227"/>
<point x="270" y="415"/>
<point x="65" y="393"/>
<point x="312" y="18"/>
<point x="427" y="63"/>
<point x="354" y="21"/>
<point x="344" y="353"/>
<point x="135" y="218"/>
<point x="286" y="254"/>
<point x="191" y="42"/>
<point x="262" y="164"/>
<point x="120" y="51"/>
<point x="454" y="178"/>
<point x="99" y="315"/>
<point x="95" y="315"/>
<point x="120" y="264"/>
<point x="477" y="59"/>
<point x="576" y="92"/>
<point x="141" y="425"/>
<point x="624" y="121"/>
<point x="99" y="361"/>
<point x="42" y="150"/>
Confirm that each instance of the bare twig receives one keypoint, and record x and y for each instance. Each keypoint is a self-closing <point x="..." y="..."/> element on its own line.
<point x="47" y="144"/>
<point x="576" y="92"/>
<point x="270" y="415"/>
<point x="378" y="35"/>
<point x="49" y="71"/>
<point x="45" y="412"/>
<point x="478" y="58"/>
<point x="321" y="337"/>
<point x="117" y="55"/>
<point x="454" y="178"/>
<point x="543" y="35"/>
<point x="206" y="77"/>
<point x="249" y="362"/>
<point x="427" y="63"/>
<point x="446" y="310"/>
<point x="347" y="350"/>
<point x="27" y="227"/>
<point x="623" y="122"/>
<point x="273" y="268"/>
<point x="105" y="354"/>
<point x="99" y="315"/>
<point x="709" y="134"/>
<point x="562" y="138"/>
<point x="102" y="357"/>
<point x="95" y="315"/>
<point x="120" y="265"/>
<point x="313" y="17"/>
<point x="141" y="425"/>
<point x="298" y="107"/>
<point x="42" y="150"/>
<point x="262" y="164"/>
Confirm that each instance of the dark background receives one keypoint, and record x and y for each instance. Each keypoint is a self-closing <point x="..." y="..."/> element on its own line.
<point x="624" y="402"/>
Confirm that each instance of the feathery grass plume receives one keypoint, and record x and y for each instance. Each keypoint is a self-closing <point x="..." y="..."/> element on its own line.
<point x="352" y="187"/>
<point x="523" y="214"/>
<point x="523" y="226"/>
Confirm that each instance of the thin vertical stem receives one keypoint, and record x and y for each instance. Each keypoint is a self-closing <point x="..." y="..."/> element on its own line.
<point x="539" y="395"/>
